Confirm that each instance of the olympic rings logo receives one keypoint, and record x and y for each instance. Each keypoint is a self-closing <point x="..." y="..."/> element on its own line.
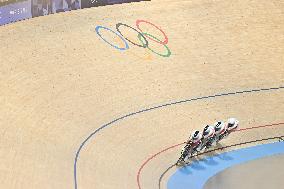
<point x="143" y="37"/>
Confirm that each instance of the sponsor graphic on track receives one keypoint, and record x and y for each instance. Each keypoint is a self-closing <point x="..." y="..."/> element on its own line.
<point x="15" y="12"/>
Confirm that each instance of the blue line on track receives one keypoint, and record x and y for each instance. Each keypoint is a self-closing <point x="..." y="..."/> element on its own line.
<point x="199" y="172"/>
<point x="154" y="108"/>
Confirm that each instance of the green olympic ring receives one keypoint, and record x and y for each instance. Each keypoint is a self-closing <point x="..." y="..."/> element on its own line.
<point x="163" y="55"/>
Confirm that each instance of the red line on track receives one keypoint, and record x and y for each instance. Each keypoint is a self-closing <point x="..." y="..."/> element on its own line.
<point x="261" y="126"/>
<point x="176" y="145"/>
<point x="149" y="159"/>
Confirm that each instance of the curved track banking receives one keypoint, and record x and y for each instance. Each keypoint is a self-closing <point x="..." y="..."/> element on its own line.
<point x="179" y="144"/>
<point x="280" y="138"/>
<point x="62" y="84"/>
<point x="161" y="106"/>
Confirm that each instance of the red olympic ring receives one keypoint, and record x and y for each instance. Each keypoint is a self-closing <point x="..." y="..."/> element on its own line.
<point x="161" y="42"/>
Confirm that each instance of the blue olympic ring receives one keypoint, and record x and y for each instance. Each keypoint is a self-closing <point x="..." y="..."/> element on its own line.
<point x="122" y="38"/>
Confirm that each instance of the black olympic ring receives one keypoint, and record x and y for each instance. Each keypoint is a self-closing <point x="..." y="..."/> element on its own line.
<point x="139" y="34"/>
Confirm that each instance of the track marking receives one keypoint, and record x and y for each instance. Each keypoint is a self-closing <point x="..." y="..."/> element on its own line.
<point x="138" y="176"/>
<point x="154" y="108"/>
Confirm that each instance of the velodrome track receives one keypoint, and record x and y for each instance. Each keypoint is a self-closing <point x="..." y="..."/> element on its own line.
<point x="77" y="113"/>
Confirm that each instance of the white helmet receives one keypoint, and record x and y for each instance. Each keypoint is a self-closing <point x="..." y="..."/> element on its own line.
<point x="196" y="136"/>
<point x="208" y="131"/>
<point x="233" y="124"/>
<point x="219" y="127"/>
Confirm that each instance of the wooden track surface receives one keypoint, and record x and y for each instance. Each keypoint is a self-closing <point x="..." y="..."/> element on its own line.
<point x="60" y="82"/>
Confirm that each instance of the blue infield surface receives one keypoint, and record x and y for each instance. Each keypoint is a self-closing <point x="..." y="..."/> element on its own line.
<point x="195" y="175"/>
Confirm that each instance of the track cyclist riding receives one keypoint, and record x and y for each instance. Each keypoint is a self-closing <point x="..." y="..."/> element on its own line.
<point x="204" y="140"/>
<point x="208" y="137"/>
<point x="193" y="145"/>
<point x="232" y="124"/>
<point x="222" y="130"/>
<point x="196" y="141"/>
